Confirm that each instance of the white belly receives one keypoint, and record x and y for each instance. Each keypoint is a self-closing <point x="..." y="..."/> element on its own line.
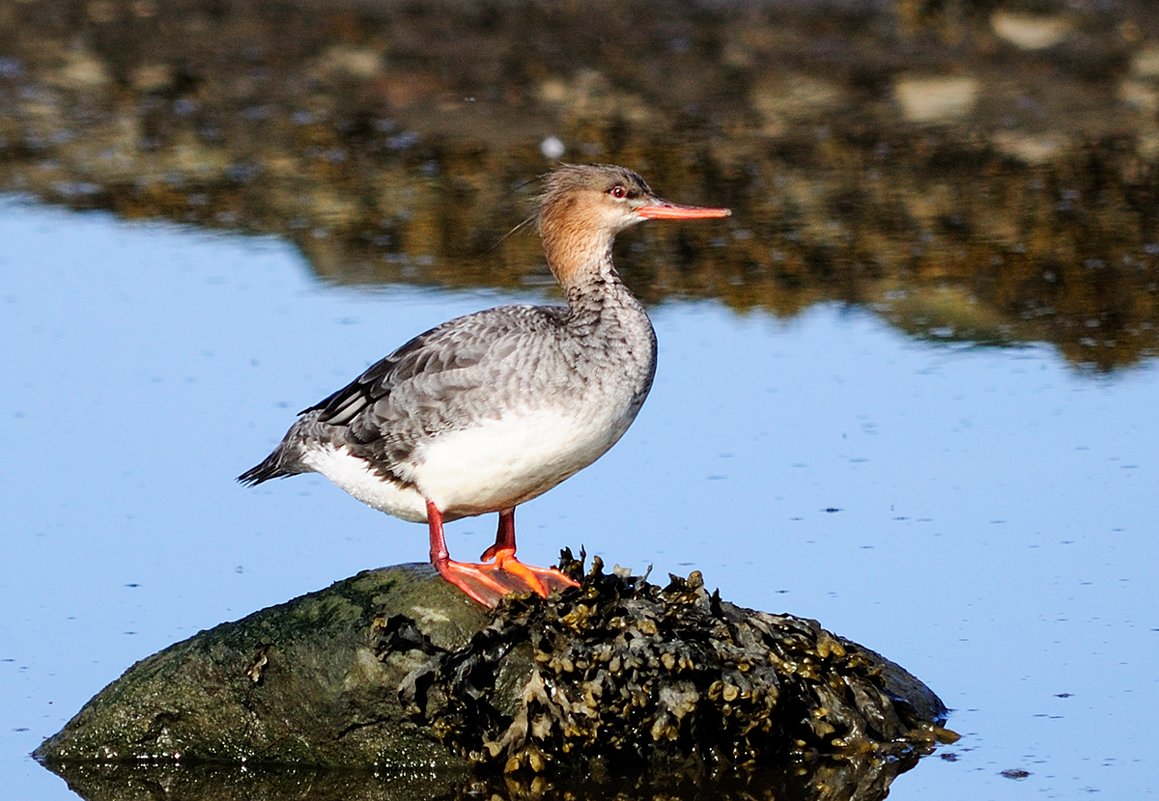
<point x="495" y="464"/>
<point x="357" y="477"/>
<point x="498" y="464"/>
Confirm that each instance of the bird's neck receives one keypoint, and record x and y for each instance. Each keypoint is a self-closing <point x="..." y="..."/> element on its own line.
<point x="580" y="256"/>
<point x="606" y="325"/>
<point x="577" y="255"/>
<point x="581" y="260"/>
<point x="598" y="303"/>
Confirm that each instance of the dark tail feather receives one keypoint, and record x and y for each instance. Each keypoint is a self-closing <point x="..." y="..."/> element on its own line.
<point x="271" y="467"/>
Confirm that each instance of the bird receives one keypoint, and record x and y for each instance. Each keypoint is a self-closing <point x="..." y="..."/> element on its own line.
<point x="489" y="410"/>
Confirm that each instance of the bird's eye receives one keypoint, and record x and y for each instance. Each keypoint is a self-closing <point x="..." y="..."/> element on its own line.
<point x="618" y="191"/>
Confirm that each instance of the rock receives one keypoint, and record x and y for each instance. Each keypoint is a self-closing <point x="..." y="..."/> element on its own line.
<point x="393" y="669"/>
<point x="936" y="98"/>
<point x="1032" y="31"/>
<point x="295" y="684"/>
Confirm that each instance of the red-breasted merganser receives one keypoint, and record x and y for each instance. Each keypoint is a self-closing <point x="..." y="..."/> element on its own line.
<point x="490" y="410"/>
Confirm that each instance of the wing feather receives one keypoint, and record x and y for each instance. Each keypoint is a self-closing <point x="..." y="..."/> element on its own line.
<point x="434" y="382"/>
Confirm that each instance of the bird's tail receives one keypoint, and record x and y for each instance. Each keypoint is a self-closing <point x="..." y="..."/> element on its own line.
<point x="276" y="465"/>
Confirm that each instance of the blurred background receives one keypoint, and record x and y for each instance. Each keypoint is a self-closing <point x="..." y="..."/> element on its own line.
<point x="965" y="169"/>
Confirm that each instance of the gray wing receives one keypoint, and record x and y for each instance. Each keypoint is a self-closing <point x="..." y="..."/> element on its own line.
<point x="442" y="379"/>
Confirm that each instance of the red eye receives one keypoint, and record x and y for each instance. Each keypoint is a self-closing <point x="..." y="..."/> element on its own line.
<point x="618" y="191"/>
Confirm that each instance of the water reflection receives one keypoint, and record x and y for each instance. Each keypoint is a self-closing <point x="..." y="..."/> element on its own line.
<point x="927" y="185"/>
<point x="858" y="778"/>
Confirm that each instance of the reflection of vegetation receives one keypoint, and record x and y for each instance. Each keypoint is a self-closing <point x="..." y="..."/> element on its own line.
<point x="1064" y="253"/>
<point x="878" y="157"/>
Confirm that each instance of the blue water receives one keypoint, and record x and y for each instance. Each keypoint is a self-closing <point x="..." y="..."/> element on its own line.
<point x="985" y="517"/>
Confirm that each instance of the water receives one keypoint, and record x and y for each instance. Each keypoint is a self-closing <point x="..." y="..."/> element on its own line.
<point x="983" y="516"/>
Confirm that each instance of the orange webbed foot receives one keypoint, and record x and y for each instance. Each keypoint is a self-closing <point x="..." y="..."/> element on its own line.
<point x="487" y="582"/>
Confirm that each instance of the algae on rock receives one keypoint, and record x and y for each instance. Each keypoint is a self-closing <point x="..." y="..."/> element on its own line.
<point x="395" y="669"/>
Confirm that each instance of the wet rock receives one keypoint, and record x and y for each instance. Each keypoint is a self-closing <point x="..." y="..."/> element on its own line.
<point x="1032" y="31"/>
<point x="1145" y="63"/>
<point x="936" y="98"/>
<point x="295" y="684"/>
<point x="395" y="670"/>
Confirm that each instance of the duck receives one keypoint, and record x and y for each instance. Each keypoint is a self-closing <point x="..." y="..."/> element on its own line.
<point x="489" y="410"/>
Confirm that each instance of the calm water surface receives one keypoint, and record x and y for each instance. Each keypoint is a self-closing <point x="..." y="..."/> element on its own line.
<point x="986" y="517"/>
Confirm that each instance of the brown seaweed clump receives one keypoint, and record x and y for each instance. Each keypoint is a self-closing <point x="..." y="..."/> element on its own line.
<point x="626" y="673"/>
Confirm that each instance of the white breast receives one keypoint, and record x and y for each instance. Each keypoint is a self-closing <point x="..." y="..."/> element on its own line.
<point x="497" y="464"/>
<point x="493" y="465"/>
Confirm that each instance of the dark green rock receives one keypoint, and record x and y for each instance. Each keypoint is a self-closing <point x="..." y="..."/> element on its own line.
<point x="295" y="684"/>
<point x="394" y="670"/>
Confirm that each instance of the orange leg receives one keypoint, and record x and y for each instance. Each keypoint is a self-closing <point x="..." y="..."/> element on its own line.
<point x="504" y="537"/>
<point x="487" y="582"/>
